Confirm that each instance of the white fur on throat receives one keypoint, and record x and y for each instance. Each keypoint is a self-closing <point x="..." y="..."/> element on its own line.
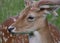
<point x="36" y="38"/>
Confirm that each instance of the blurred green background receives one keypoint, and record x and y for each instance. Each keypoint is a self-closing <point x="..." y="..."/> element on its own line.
<point x="10" y="8"/>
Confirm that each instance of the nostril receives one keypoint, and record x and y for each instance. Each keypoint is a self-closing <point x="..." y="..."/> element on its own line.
<point x="10" y="29"/>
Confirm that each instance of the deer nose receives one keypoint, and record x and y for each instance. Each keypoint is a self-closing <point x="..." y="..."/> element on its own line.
<point x="10" y="28"/>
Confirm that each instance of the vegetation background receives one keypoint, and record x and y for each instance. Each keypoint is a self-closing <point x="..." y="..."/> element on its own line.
<point x="10" y="8"/>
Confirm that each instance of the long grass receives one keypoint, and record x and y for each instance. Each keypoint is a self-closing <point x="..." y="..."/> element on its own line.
<point x="13" y="7"/>
<point x="9" y="8"/>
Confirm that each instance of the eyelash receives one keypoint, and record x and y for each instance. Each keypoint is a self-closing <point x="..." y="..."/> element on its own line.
<point x="30" y="17"/>
<point x="41" y="9"/>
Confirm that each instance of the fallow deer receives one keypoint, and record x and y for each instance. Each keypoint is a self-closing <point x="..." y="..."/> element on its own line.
<point x="5" y="35"/>
<point x="33" y="19"/>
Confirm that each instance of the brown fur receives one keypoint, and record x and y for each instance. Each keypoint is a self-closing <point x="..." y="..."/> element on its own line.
<point x="48" y="35"/>
<point x="55" y="33"/>
<point x="41" y="25"/>
<point x="13" y="38"/>
<point x="6" y="34"/>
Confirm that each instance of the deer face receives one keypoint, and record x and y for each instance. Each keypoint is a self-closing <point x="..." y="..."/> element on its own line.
<point x="31" y="18"/>
<point x="29" y="22"/>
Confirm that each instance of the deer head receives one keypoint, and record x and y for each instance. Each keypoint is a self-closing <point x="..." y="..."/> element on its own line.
<point x="31" y="18"/>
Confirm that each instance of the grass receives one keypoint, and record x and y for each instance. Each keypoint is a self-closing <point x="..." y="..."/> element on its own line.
<point x="13" y="7"/>
<point x="10" y="8"/>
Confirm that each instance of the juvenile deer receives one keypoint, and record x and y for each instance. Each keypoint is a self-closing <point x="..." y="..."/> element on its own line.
<point x="33" y="19"/>
<point x="5" y="35"/>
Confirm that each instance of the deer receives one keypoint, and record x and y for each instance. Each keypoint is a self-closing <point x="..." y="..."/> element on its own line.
<point x="5" y="35"/>
<point x="9" y="22"/>
<point x="33" y="20"/>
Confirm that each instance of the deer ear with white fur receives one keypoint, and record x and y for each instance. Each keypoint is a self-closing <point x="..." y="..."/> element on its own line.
<point x="28" y="2"/>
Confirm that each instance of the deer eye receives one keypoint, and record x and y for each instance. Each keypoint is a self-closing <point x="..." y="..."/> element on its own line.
<point x="31" y="18"/>
<point x="42" y="9"/>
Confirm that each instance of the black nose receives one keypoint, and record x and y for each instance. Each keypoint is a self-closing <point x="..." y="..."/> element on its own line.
<point x="10" y="29"/>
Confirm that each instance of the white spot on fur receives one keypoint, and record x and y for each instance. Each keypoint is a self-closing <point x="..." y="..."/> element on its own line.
<point x="14" y="19"/>
<point x="10" y="35"/>
<point x="5" y="39"/>
<point x="36" y="38"/>
<point x="7" y="31"/>
<point x="3" y="34"/>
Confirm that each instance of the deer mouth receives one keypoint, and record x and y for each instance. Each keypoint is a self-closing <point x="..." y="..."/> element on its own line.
<point x="21" y="32"/>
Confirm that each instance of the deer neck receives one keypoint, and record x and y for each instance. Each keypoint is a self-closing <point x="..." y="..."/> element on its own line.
<point x="44" y="32"/>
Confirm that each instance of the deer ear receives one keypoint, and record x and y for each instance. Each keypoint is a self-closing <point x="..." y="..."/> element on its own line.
<point x="28" y="2"/>
<point x="54" y="9"/>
